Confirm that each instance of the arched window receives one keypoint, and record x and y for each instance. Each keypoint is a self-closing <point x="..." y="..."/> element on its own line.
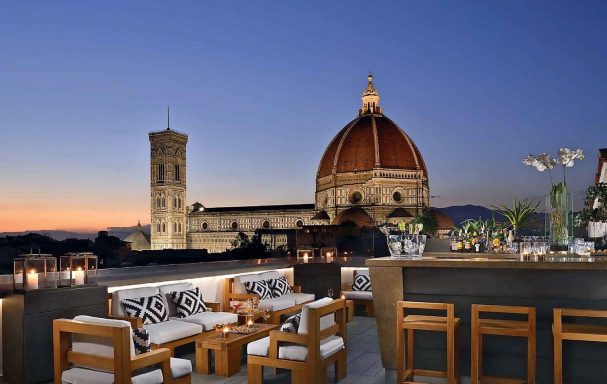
<point x="163" y="202"/>
<point x="164" y="228"/>
<point x="175" y="203"/>
<point x="158" y="202"/>
<point x="174" y="227"/>
<point x="158" y="227"/>
<point x="177" y="173"/>
<point x="161" y="172"/>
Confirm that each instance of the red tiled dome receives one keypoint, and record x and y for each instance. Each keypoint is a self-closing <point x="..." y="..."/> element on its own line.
<point x="367" y="142"/>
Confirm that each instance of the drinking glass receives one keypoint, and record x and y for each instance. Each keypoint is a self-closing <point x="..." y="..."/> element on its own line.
<point x="330" y="292"/>
<point x="266" y="315"/>
<point x="219" y="330"/>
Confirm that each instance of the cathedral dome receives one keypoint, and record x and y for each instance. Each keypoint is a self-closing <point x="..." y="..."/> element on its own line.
<point x="370" y="141"/>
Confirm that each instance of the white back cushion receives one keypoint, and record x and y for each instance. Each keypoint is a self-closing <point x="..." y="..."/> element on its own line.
<point x="325" y="321"/>
<point x="167" y="289"/>
<point x="94" y="345"/>
<point x="132" y="293"/>
<point x="270" y="275"/>
<point x="239" y="287"/>
<point x="362" y="272"/>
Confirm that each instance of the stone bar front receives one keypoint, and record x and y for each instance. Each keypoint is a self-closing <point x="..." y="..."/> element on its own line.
<point x="547" y="283"/>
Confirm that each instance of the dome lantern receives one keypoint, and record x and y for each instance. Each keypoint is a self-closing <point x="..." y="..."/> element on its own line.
<point x="370" y="99"/>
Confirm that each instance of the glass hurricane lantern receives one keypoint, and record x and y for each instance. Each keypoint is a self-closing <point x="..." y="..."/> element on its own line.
<point x="77" y="269"/>
<point x="34" y="271"/>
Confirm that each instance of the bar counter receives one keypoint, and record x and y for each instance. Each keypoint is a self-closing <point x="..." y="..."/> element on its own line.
<point x="552" y="281"/>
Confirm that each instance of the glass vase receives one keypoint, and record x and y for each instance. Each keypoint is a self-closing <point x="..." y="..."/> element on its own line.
<point x="559" y="218"/>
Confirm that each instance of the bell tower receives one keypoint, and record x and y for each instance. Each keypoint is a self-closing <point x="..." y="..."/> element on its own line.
<point x="168" y="189"/>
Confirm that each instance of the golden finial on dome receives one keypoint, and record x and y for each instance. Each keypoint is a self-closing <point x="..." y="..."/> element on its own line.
<point x="370" y="99"/>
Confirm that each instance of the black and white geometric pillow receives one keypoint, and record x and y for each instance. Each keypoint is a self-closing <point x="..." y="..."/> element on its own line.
<point x="141" y="339"/>
<point x="361" y="283"/>
<point x="260" y="287"/>
<point x="151" y="309"/>
<point x="291" y="324"/>
<point x="188" y="302"/>
<point x="279" y="286"/>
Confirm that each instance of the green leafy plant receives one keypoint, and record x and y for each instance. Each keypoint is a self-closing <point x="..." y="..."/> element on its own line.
<point x="519" y="214"/>
<point x="428" y="221"/>
<point x="594" y="194"/>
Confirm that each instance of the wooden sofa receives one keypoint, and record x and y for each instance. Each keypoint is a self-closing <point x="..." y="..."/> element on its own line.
<point x="176" y="331"/>
<point x="319" y="342"/>
<point x="362" y="298"/>
<point x="234" y="290"/>
<point x="89" y="349"/>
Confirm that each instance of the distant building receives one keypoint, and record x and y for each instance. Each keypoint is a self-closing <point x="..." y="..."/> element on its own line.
<point x="371" y="173"/>
<point x="137" y="240"/>
<point x="601" y="173"/>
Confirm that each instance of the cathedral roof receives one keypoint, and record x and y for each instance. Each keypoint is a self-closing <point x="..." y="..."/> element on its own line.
<point x="370" y="141"/>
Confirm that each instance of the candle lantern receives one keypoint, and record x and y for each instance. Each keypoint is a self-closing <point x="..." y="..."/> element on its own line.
<point x="328" y="252"/>
<point x="32" y="272"/>
<point x="304" y="253"/>
<point x="77" y="269"/>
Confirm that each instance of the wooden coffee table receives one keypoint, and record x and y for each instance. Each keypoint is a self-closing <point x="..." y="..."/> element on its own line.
<point x="227" y="351"/>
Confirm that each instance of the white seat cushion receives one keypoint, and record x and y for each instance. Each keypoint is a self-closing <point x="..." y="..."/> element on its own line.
<point x="299" y="298"/>
<point x="358" y="295"/>
<point x="88" y="376"/>
<point x="276" y="304"/>
<point x="180" y="367"/>
<point x="325" y="321"/>
<point x="166" y="291"/>
<point x="132" y="293"/>
<point x="328" y="347"/>
<point x="209" y="319"/>
<point x="171" y="330"/>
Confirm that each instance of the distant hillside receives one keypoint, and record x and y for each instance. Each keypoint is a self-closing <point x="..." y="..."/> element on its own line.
<point x="460" y="213"/>
<point x="58" y="234"/>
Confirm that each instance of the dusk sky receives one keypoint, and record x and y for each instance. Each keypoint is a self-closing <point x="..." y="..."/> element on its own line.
<point x="262" y="87"/>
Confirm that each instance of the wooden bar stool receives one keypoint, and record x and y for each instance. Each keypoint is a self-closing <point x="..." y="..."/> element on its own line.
<point x="517" y="328"/>
<point x="410" y="323"/>
<point x="576" y="332"/>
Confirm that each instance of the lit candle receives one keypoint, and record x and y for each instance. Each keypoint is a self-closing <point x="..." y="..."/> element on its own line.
<point x="226" y="329"/>
<point x="343" y="297"/>
<point x="32" y="280"/>
<point x="78" y="276"/>
<point x="250" y="323"/>
<point x="305" y="257"/>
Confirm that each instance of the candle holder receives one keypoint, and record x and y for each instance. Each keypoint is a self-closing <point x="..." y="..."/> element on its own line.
<point x="32" y="272"/>
<point x="77" y="269"/>
<point x="225" y="332"/>
<point x="329" y="253"/>
<point x="303" y="254"/>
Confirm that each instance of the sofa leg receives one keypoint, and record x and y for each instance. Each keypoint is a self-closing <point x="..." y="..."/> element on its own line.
<point x="301" y="377"/>
<point x="254" y="374"/>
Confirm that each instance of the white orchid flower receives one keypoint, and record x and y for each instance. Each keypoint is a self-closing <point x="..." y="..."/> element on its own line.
<point x="529" y="160"/>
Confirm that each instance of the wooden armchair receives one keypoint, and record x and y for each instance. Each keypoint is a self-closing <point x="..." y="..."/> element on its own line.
<point x="362" y="298"/>
<point x="285" y="305"/>
<point x="319" y="342"/>
<point x="116" y="360"/>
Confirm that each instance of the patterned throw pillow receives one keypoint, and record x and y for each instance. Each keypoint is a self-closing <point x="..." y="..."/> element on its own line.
<point x="259" y="287"/>
<point x="141" y="339"/>
<point x="362" y="283"/>
<point x="151" y="309"/>
<point x="279" y="286"/>
<point x="188" y="302"/>
<point x="291" y="324"/>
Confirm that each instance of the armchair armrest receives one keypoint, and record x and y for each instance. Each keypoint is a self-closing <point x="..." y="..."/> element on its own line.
<point x="288" y="337"/>
<point x="153" y="357"/>
<point x="215" y="306"/>
<point x="136" y="322"/>
<point x="296" y="288"/>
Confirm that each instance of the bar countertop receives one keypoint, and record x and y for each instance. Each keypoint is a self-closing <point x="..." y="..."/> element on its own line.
<point x="495" y="261"/>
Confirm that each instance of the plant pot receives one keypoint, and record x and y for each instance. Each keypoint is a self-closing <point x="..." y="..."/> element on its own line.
<point x="597" y="229"/>
<point x="559" y="218"/>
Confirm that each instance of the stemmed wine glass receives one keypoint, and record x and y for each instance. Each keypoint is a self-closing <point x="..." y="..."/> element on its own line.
<point x="266" y="315"/>
<point x="330" y="292"/>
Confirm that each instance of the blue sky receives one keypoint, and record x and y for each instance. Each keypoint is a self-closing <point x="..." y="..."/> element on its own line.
<point x="262" y="87"/>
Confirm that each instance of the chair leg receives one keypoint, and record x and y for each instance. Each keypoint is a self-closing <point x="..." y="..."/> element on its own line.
<point x="558" y="360"/>
<point x="531" y="358"/>
<point x="451" y="377"/>
<point x="410" y="349"/>
<point x="341" y="368"/>
<point x="474" y="356"/>
<point x="400" y="355"/>
<point x="254" y="374"/>
<point x="300" y="377"/>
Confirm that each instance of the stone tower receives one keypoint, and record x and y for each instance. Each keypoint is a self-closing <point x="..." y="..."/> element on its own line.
<point x="168" y="189"/>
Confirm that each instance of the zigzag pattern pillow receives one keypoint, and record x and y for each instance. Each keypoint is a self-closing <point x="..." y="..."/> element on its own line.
<point x="279" y="286"/>
<point x="188" y="302"/>
<point x="151" y="309"/>
<point x="361" y="283"/>
<point x="262" y="288"/>
<point x="141" y="339"/>
<point x="291" y="324"/>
